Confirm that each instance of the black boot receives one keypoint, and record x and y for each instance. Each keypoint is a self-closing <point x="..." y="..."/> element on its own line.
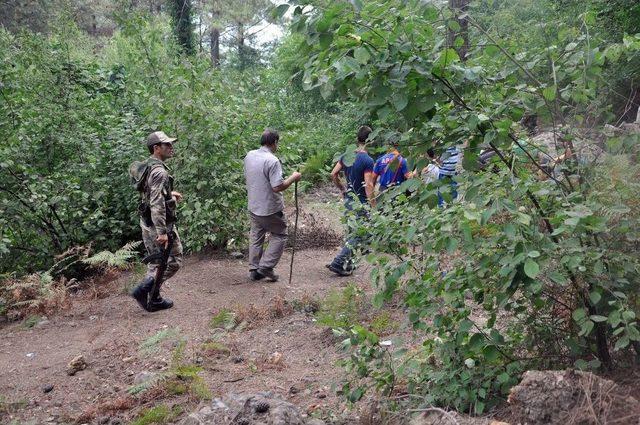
<point x="141" y="292"/>
<point x="159" y="303"/>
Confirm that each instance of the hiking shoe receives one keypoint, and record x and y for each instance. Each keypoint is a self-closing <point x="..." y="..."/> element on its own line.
<point x="159" y="304"/>
<point x="269" y="274"/>
<point x="339" y="270"/>
<point x="255" y="275"/>
<point x="141" y="292"/>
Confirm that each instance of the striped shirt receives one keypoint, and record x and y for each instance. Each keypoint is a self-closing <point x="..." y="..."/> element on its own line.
<point x="450" y="160"/>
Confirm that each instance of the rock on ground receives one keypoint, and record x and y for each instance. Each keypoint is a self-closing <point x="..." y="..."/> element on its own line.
<point x="249" y="409"/>
<point x="442" y="417"/>
<point x="571" y="397"/>
<point x="77" y="364"/>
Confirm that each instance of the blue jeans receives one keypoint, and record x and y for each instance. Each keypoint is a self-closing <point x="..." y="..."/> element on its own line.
<point x="452" y="183"/>
<point x="344" y="259"/>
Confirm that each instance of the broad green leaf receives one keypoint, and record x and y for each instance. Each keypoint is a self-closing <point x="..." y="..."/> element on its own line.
<point x="362" y="55"/>
<point x="531" y="268"/>
<point x="549" y="93"/>
<point x="400" y="101"/>
<point x="596" y="318"/>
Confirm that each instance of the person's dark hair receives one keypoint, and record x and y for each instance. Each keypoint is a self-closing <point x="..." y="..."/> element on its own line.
<point x="363" y="133"/>
<point x="151" y="148"/>
<point x="431" y="153"/>
<point x="269" y="137"/>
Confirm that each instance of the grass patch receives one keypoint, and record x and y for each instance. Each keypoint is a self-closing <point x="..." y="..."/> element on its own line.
<point x="31" y="321"/>
<point x="383" y="324"/>
<point x="306" y="304"/>
<point x="187" y="374"/>
<point x="175" y="387"/>
<point x="212" y="348"/>
<point x="200" y="390"/>
<point x="161" y="414"/>
<point x="342" y="309"/>
<point x="223" y="319"/>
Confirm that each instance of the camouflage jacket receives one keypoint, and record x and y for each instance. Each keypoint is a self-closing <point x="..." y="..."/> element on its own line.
<point x="157" y="194"/>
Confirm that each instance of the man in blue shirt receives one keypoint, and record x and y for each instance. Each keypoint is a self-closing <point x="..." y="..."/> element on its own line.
<point x="358" y="191"/>
<point x="391" y="169"/>
<point x="448" y="170"/>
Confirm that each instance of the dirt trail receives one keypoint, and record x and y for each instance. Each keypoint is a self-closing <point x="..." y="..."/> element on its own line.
<point x="110" y="333"/>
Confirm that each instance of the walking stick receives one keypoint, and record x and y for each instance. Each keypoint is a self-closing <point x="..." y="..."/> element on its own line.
<point x="295" y="231"/>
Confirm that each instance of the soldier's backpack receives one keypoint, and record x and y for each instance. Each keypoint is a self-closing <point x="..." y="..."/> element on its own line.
<point x="138" y="174"/>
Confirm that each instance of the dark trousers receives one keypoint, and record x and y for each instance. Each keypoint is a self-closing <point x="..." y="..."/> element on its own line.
<point x="344" y="259"/>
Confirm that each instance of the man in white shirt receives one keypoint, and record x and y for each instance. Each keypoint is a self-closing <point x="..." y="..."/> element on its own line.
<point x="263" y="176"/>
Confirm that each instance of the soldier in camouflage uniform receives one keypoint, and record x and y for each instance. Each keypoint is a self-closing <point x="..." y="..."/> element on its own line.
<point x="157" y="216"/>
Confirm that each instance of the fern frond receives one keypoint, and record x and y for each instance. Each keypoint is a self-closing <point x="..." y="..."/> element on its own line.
<point x="117" y="259"/>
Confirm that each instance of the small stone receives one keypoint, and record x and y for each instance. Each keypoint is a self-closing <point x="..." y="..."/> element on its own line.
<point x="31" y="355"/>
<point x="104" y="420"/>
<point x="47" y="388"/>
<point x="293" y="390"/>
<point x="127" y="359"/>
<point x="93" y="317"/>
<point x="77" y="364"/>
<point x="275" y="358"/>
<point x="116" y="421"/>
<point x="237" y="359"/>
<point x="237" y="255"/>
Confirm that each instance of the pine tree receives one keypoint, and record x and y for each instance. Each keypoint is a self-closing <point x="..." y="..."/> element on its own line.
<point x="183" y="25"/>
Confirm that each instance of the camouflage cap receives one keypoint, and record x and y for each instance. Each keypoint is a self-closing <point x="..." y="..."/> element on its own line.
<point x="159" y="137"/>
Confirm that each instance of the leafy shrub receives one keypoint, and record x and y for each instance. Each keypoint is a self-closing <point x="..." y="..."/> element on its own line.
<point x="73" y="120"/>
<point x="535" y="266"/>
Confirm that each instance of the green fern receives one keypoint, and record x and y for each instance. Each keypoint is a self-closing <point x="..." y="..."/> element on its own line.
<point x="224" y="319"/>
<point x="118" y="259"/>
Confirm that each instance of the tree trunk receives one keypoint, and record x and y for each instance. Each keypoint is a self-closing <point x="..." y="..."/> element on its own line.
<point x="182" y="24"/>
<point x="215" y="47"/>
<point x="459" y="8"/>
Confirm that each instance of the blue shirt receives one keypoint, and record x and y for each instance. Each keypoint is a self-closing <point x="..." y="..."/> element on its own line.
<point x="391" y="169"/>
<point x="355" y="174"/>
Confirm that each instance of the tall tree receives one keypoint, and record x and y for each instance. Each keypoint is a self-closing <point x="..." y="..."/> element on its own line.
<point x="183" y="24"/>
<point x="459" y="27"/>
<point x="234" y="19"/>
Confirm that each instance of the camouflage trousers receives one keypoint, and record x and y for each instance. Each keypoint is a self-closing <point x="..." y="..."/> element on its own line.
<point x="149" y="236"/>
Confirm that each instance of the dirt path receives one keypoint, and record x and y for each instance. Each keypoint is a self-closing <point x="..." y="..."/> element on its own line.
<point x="276" y="349"/>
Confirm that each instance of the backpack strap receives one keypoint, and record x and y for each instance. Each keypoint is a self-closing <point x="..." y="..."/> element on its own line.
<point x="395" y="175"/>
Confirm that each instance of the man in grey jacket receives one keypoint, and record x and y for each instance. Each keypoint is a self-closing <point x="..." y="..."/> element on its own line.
<point x="265" y="183"/>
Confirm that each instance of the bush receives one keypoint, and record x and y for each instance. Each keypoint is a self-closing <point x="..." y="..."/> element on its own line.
<point x="72" y="122"/>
